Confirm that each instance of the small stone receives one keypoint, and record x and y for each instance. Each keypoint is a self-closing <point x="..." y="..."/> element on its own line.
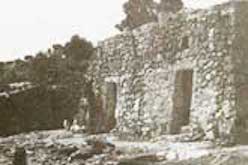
<point x="171" y="155"/>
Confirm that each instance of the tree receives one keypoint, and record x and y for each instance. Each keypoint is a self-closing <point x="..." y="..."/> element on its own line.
<point x="138" y="12"/>
<point x="21" y="70"/>
<point x="58" y="76"/>
<point x="170" y="5"/>
<point x="78" y="48"/>
<point x="39" y="69"/>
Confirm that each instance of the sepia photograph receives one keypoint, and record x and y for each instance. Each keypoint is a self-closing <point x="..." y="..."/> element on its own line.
<point x="124" y="82"/>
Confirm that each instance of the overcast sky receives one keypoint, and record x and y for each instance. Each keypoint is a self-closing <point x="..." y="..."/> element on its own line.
<point x="28" y="26"/>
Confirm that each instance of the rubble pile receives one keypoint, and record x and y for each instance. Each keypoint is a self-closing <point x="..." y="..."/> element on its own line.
<point x="62" y="147"/>
<point x="54" y="147"/>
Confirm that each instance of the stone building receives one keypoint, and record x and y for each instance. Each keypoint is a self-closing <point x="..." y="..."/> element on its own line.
<point x="189" y="67"/>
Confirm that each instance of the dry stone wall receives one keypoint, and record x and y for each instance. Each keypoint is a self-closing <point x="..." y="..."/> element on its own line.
<point x="240" y="60"/>
<point x="144" y="64"/>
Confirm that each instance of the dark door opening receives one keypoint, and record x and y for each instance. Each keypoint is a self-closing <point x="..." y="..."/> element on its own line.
<point x="110" y="105"/>
<point x="242" y="114"/>
<point x="181" y="100"/>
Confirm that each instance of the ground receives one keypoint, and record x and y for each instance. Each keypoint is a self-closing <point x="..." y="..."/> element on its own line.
<point x="61" y="147"/>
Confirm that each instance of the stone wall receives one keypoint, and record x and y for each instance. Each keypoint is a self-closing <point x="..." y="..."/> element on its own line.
<point x="144" y="64"/>
<point x="240" y="60"/>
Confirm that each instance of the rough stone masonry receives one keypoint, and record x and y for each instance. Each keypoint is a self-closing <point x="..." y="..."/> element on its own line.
<point x="190" y="67"/>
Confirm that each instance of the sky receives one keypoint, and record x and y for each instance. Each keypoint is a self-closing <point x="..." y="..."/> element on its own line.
<point x="30" y="26"/>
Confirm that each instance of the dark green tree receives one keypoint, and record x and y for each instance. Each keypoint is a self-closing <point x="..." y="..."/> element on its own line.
<point x="138" y="12"/>
<point x="170" y="5"/>
<point x="21" y="70"/>
<point x="58" y="78"/>
<point x="78" y="48"/>
<point x="39" y="69"/>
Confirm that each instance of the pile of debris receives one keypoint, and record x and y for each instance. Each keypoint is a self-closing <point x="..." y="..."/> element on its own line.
<point x="47" y="148"/>
<point x="63" y="147"/>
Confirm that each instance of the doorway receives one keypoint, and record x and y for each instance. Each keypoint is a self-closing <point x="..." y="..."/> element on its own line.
<point x="110" y="105"/>
<point x="181" y="100"/>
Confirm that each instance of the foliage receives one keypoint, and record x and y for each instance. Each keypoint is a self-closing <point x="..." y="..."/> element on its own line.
<point x="138" y="12"/>
<point x="171" y="5"/>
<point x="59" y="79"/>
